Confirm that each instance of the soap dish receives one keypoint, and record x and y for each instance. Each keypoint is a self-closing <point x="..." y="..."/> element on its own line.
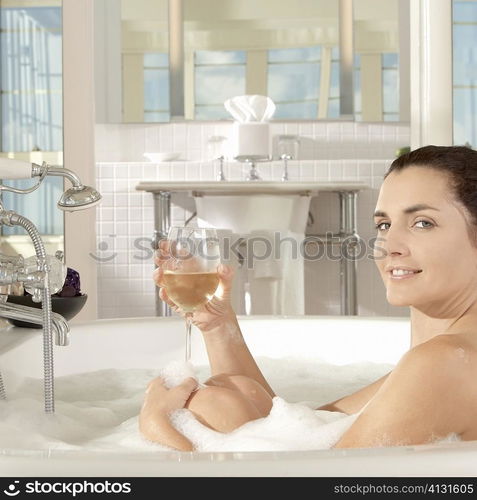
<point x="159" y="157"/>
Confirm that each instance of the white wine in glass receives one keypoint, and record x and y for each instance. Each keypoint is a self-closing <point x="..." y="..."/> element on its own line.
<point x="190" y="273"/>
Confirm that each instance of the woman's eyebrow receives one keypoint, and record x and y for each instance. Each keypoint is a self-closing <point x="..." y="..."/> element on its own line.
<point x="408" y="210"/>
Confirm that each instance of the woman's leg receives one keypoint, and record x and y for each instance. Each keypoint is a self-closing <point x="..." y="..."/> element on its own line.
<point x="229" y="401"/>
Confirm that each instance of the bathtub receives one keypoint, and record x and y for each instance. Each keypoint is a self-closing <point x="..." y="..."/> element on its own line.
<point x="151" y="342"/>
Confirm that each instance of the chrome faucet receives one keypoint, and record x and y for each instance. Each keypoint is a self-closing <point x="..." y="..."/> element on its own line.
<point x="40" y="280"/>
<point x="19" y="312"/>
<point x="252" y="160"/>
<point x="11" y="269"/>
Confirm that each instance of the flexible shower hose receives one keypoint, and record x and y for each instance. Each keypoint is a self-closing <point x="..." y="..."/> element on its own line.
<point x="19" y="220"/>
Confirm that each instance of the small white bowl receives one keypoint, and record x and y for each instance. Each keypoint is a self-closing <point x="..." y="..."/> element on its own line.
<point x="158" y="157"/>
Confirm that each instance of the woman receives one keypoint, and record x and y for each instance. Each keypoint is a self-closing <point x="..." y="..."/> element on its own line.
<point x="426" y="217"/>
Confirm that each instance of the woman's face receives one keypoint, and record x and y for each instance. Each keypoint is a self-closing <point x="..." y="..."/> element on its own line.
<point x="422" y="228"/>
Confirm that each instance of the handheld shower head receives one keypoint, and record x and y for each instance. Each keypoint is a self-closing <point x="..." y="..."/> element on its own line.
<point x="78" y="197"/>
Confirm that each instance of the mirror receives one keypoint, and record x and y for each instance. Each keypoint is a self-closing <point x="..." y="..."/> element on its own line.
<point x="287" y="50"/>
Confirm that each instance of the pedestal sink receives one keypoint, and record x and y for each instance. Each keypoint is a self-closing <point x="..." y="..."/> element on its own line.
<point x="270" y="276"/>
<point x="262" y="209"/>
<point x="246" y="213"/>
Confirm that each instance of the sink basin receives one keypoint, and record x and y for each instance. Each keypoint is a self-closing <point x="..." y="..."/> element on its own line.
<point x="253" y="212"/>
<point x="245" y="206"/>
<point x="265" y="282"/>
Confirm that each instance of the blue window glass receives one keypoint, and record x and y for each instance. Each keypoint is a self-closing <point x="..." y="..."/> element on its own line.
<point x="31" y="104"/>
<point x="219" y="75"/>
<point x="156" y="87"/>
<point x="294" y="81"/>
<point x="465" y="72"/>
<point x="390" y="77"/>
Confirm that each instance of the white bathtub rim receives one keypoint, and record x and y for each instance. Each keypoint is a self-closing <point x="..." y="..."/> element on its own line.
<point x="180" y="456"/>
<point x="257" y="317"/>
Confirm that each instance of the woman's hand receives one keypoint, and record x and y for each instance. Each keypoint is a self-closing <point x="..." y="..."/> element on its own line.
<point x="159" y="402"/>
<point x="215" y="313"/>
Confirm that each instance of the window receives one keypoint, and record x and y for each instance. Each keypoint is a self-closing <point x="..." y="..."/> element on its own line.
<point x="156" y="87"/>
<point x="31" y="105"/>
<point x="390" y="78"/>
<point x="465" y="72"/>
<point x="294" y="81"/>
<point x="218" y="76"/>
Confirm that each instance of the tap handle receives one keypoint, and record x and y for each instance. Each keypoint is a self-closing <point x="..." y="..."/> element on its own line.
<point x="16" y="261"/>
<point x="56" y="273"/>
<point x="15" y="169"/>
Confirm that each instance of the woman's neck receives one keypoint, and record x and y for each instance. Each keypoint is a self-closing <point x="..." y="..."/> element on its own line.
<point x="425" y="327"/>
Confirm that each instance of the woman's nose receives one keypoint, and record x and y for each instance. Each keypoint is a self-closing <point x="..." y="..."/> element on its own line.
<point x="395" y="242"/>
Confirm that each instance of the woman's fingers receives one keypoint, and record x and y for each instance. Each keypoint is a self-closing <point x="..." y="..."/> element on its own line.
<point x="165" y="298"/>
<point x="185" y="389"/>
<point x="156" y="386"/>
<point x="163" y="252"/>
<point x="157" y="276"/>
<point x="226" y="277"/>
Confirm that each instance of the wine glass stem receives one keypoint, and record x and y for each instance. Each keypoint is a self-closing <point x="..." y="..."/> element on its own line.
<point x="188" y="318"/>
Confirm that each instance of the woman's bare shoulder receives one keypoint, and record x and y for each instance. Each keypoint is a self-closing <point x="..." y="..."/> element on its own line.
<point x="439" y="357"/>
<point x="426" y="396"/>
<point x="455" y="349"/>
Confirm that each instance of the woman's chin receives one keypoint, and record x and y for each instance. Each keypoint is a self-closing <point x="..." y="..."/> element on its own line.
<point x="397" y="301"/>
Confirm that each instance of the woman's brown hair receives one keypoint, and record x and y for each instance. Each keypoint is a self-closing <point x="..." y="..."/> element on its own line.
<point x="458" y="162"/>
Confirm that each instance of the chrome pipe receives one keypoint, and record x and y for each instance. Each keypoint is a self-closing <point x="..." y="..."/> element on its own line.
<point x="348" y="266"/>
<point x="29" y="314"/>
<point x="3" y="394"/>
<point x="13" y="219"/>
<point x="162" y="223"/>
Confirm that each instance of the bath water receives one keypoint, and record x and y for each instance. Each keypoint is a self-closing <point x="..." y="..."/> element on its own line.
<point x="98" y="410"/>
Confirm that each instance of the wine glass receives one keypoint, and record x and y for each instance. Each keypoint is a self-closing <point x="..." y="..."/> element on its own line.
<point x="190" y="271"/>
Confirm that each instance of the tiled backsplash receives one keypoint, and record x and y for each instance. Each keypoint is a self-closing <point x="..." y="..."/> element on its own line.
<point x="318" y="140"/>
<point x="125" y="218"/>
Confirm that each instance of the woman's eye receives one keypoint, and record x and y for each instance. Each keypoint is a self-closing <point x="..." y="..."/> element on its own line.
<point x="380" y="225"/>
<point x="425" y="222"/>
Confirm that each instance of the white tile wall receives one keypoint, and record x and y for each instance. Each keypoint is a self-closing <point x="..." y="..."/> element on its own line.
<point x="328" y="151"/>
<point x="318" y="140"/>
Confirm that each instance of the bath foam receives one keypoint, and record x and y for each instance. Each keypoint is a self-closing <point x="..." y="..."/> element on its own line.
<point x="176" y="371"/>
<point x="98" y="411"/>
<point x="289" y="426"/>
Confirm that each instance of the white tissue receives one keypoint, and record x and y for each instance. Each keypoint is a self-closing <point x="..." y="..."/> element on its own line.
<point x="251" y="131"/>
<point x="250" y="108"/>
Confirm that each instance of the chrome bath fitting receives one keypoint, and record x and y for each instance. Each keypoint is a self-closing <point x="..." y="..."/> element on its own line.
<point x="251" y="160"/>
<point x="253" y="173"/>
<point x="220" y="175"/>
<point x="285" y="159"/>
<point x="77" y="197"/>
<point x="10" y="218"/>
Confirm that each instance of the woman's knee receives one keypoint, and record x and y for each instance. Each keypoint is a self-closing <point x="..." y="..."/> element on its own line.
<point x="247" y="386"/>
<point x="222" y="409"/>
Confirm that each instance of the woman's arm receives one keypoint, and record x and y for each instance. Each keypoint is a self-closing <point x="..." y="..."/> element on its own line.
<point x="226" y="347"/>
<point x="354" y="402"/>
<point x="228" y="353"/>
<point x="418" y="401"/>
<point x="159" y="402"/>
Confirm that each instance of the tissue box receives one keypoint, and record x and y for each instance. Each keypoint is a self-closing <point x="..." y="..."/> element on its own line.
<point x="251" y="139"/>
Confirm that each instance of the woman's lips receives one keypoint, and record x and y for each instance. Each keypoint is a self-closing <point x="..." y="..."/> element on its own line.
<point x="404" y="276"/>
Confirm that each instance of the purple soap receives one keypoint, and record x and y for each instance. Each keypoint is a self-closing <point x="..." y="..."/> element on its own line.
<point x="72" y="285"/>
